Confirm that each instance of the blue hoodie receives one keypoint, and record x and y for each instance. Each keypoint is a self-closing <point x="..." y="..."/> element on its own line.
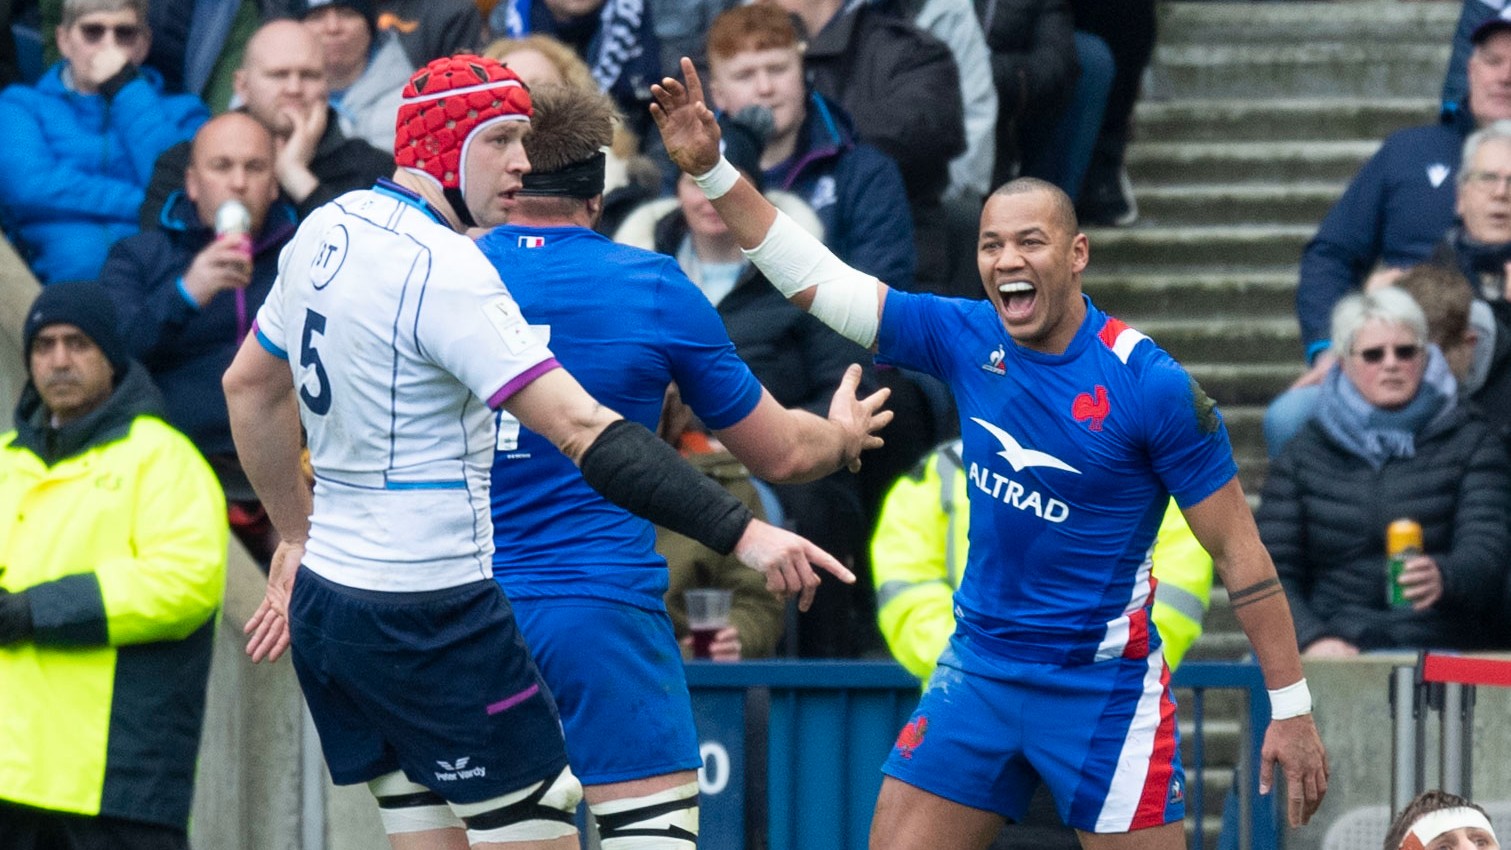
<point x="857" y="192"/>
<point x="77" y="165"/>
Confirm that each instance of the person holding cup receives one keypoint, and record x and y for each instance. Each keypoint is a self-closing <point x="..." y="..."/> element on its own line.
<point x="1391" y="438"/>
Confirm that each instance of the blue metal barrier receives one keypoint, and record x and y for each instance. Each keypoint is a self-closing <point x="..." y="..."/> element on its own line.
<point x="803" y="742"/>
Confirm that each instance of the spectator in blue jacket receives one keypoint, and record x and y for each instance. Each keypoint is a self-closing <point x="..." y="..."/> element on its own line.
<point x="755" y="59"/>
<point x="187" y="290"/>
<point x="1394" y="212"/>
<point x="82" y="141"/>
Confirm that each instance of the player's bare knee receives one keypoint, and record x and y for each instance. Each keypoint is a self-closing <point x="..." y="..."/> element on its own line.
<point x="539" y="812"/>
<point x="664" y="820"/>
<point x="405" y="806"/>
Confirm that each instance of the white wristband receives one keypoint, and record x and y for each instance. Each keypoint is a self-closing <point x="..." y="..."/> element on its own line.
<point x="718" y="181"/>
<point x="1290" y="701"/>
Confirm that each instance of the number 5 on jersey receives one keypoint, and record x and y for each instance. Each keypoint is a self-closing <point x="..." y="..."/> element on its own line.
<point x="318" y="402"/>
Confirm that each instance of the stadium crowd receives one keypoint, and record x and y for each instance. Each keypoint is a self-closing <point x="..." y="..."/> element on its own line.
<point x="168" y="152"/>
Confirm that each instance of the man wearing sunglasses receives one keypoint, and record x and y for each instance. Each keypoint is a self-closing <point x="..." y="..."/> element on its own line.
<point x="82" y="141"/>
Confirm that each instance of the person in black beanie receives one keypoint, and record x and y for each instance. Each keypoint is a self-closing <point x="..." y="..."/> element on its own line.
<point x="113" y="535"/>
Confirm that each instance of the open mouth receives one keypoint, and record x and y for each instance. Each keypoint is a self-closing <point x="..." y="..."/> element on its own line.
<point x="1018" y="298"/>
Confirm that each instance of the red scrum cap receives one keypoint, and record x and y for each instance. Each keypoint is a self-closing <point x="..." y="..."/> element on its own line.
<point x="445" y="103"/>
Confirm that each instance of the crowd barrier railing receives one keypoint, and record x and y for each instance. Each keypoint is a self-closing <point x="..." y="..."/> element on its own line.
<point x="792" y="750"/>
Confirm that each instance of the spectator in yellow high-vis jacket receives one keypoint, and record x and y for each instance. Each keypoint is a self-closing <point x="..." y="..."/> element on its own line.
<point x="112" y="566"/>
<point x="918" y="558"/>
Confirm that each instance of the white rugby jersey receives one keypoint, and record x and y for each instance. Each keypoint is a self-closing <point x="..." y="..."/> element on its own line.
<point x="401" y="337"/>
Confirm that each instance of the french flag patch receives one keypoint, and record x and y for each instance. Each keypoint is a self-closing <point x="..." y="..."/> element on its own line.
<point x="532" y="241"/>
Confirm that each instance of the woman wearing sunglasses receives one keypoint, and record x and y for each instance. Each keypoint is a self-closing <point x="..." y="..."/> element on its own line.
<point x="1390" y="439"/>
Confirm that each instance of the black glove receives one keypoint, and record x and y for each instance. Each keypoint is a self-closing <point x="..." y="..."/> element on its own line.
<point x="15" y="617"/>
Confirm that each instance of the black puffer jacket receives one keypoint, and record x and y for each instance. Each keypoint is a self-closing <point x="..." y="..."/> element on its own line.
<point x="1323" y="519"/>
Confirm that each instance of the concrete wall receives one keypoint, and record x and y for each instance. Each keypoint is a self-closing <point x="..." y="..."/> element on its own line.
<point x="1353" y="715"/>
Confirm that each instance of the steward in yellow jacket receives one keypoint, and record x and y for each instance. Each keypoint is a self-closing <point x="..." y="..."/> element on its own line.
<point x="918" y="557"/>
<point x="112" y="566"/>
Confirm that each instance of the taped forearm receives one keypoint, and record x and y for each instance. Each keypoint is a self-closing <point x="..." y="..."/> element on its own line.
<point x="635" y="470"/>
<point x="794" y="260"/>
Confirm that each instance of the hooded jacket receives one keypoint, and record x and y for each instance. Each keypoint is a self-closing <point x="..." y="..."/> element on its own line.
<point x="114" y="529"/>
<point x="184" y="346"/>
<point x="76" y="165"/>
<point x="857" y="192"/>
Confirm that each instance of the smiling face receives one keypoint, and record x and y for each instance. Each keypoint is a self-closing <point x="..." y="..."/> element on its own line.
<point x="1464" y="838"/>
<point x="496" y="164"/>
<point x="1484" y="196"/>
<point x="1377" y="369"/>
<point x="1031" y="258"/>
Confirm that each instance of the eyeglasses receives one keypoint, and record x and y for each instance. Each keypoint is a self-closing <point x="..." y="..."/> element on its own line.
<point x="125" y="34"/>
<point x="1487" y="180"/>
<point x="1376" y="355"/>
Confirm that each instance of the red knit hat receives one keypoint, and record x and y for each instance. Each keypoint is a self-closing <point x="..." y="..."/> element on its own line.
<point x="445" y="103"/>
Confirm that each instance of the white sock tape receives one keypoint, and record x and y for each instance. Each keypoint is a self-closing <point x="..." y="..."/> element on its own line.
<point x="717" y="182"/>
<point x="1290" y="701"/>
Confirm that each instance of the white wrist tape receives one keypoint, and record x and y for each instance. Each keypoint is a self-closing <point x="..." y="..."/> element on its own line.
<point x="1433" y="824"/>
<point x="1290" y="701"/>
<point x="718" y="180"/>
<point x="794" y="259"/>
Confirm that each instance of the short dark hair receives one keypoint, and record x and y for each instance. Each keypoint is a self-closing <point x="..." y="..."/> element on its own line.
<point x="1425" y="803"/>
<point x="1064" y="207"/>
<point x="1444" y="296"/>
<point x="570" y="124"/>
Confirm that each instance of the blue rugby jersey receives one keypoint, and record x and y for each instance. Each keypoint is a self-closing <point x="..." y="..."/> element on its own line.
<point x="1071" y="459"/>
<point x="625" y="323"/>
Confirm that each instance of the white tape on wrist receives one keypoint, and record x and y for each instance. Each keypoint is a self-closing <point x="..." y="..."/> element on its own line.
<point x="794" y="260"/>
<point x="717" y="182"/>
<point x="1290" y="701"/>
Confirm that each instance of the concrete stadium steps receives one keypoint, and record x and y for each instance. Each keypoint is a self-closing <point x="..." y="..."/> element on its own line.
<point x="1383" y="25"/>
<point x="1241" y="339"/>
<point x="1138" y="297"/>
<point x="1153" y="249"/>
<point x="1305" y="69"/>
<point x="1237" y="203"/>
<point x="1247" y="119"/>
<point x="1283" y="161"/>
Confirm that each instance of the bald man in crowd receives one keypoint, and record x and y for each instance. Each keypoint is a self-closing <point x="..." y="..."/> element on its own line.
<point x="186" y="290"/>
<point x="282" y="84"/>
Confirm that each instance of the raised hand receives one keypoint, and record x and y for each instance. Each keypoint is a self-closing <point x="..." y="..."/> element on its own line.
<point x="860" y="418"/>
<point x="787" y="561"/>
<point x="688" y="127"/>
<point x="1295" y="745"/>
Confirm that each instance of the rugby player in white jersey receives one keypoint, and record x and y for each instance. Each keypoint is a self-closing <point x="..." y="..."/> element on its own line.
<point x="390" y="338"/>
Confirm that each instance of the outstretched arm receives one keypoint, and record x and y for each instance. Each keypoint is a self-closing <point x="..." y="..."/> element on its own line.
<point x="1225" y="527"/>
<point x="795" y="262"/>
<point x="790" y="445"/>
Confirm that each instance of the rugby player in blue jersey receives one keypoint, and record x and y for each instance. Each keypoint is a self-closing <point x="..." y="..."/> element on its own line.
<point x="582" y="574"/>
<point x="1077" y="429"/>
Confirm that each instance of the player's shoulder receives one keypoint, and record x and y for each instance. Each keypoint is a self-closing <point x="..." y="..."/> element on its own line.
<point x="1130" y="350"/>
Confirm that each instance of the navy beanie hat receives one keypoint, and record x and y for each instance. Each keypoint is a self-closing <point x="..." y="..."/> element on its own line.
<point x="84" y="304"/>
<point x="366" y="8"/>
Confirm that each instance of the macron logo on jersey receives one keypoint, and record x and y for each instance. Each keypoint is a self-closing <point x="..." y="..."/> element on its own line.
<point x="532" y="241"/>
<point x="1013" y="493"/>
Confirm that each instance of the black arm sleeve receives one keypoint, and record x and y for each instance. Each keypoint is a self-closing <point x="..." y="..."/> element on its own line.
<point x="637" y="471"/>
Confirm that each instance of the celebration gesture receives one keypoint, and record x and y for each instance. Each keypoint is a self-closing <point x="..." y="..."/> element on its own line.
<point x="688" y="127"/>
